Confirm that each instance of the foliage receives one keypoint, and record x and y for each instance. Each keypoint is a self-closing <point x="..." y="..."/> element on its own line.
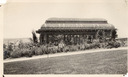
<point x="74" y="47"/>
<point x="66" y="49"/>
<point x="16" y="53"/>
<point x="30" y="49"/>
<point x="114" y="34"/>
<point x="35" y="40"/>
<point x="26" y="52"/>
<point x="6" y="54"/>
<point x="38" y="51"/>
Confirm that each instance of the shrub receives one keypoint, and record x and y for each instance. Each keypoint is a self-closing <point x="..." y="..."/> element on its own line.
<point x="116" y="44"/>
<point x="82" y="47"/>
<point x="26" y="52"/>
<point x="87" y="46"/>
<point x="44" y="49"/>
<point x="32" y="49"/>
<point x="10" y="47"/>
<point x="102" y="45"/>
<point x="109" y="45"/>
<point x="29" y="49"/>
<point x="66" y="49"/>
<point x="54" y="49"/>
<point x="74" y="47"/>
<point x="38" y="51"/>
<point x="50" y="50"/>
<point x="16" y="53"/>
<point x="123" y="43"/>
<point x="6" y="54"/>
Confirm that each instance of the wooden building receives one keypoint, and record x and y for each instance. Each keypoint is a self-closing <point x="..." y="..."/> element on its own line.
<point x="74" y="30"/>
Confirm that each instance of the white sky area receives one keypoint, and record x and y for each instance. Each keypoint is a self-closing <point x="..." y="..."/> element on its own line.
<point x="20" y="18"/>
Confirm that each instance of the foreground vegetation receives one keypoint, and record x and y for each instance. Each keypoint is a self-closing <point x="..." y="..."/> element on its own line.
<point x="29" y="49"/>
<point x="106" y="62"/>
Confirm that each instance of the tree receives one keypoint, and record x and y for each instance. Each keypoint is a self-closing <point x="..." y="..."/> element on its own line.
<point x="100" y="35"/>
<point x="114" y="34"/>
<point x="35" y="40"/>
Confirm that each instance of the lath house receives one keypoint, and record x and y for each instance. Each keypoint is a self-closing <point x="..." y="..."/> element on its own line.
<point x="74" y="30"/>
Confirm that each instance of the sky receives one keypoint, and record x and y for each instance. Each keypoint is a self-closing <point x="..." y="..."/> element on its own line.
<point x="23" y="16"/>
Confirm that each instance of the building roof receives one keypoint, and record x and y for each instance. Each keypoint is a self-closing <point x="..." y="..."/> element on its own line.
<point x="76" y="19"/>
<point x="75" y="26"/>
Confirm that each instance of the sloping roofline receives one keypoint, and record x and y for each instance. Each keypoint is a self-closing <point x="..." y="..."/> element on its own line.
<point x="80" y="24"/>
<point x="75" y="19"/>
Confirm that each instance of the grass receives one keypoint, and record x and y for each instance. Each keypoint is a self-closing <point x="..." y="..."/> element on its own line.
<point x="108" y="62"/>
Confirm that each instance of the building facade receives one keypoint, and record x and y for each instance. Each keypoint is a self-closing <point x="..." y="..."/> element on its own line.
<point x="75" y="30"/>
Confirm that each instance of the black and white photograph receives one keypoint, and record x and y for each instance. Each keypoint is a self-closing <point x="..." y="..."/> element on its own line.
<point x="58" y="37"/>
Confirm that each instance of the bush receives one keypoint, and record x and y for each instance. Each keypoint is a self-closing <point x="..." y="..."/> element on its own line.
<point x="6" y="54"/>
<point x="32" y="49"/>
<point x="50" y="49"/>
<point x="66" y="49"/>
<point x="102" y="45"/>
<point x="21" y="53"/>
<point x="55" y="49"/>
<point x="38" y="51"/>
<point x="87" y="46"/>
<point x="74" y="47"/>
<point x="44" y="49"/>
<point x="116" y="44"/>
<point x="29" y="49"/>
<point x="16" y="53"/>
<point x="26" y="52"/>
<point x="96" y="45"/>
<point x="123" y="43"/>
<point x="82" y="47"/>
<point x="47" y="50"/>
